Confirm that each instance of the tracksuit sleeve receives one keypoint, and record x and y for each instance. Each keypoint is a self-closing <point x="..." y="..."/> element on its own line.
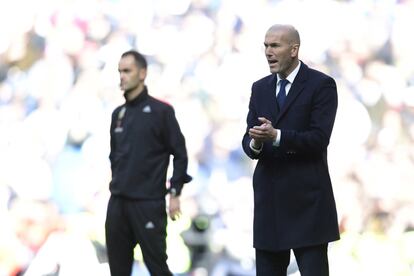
<point x="177" y="147"/>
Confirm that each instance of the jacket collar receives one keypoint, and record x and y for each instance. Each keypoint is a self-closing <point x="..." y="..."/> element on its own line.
<point x="140" y="98"/>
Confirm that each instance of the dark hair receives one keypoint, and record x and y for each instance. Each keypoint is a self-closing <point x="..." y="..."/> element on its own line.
<point x="139" y="58"/>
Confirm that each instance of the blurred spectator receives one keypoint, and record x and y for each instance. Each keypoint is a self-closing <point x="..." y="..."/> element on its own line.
<point x="58" y="62"/>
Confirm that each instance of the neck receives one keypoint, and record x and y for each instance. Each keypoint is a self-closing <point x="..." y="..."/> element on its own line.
<point x="292" y="67"/>
<point x="132" y="94"/>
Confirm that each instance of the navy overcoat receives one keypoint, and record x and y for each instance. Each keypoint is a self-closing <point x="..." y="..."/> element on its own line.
<point x="294" y="204"/>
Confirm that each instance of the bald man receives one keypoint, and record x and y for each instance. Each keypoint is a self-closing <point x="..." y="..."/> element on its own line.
<point x="289" y="124"/>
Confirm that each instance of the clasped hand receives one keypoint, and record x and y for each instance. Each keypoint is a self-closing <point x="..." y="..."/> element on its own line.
<point x="263" y="132"/>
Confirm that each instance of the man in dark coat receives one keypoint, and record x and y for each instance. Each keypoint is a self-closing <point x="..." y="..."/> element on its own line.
<point x="289" y="124"/>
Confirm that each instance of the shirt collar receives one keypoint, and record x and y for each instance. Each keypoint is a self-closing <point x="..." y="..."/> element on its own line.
<point x="292" y="75"/>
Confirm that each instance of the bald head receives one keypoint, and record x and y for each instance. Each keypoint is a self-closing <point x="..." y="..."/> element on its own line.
<point x="290" y="34"/>
<point x="282" y="44"/>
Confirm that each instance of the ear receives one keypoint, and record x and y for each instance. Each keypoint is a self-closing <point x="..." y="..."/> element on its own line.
<point x="295" y="50"/>
<point x="142" y="74"/>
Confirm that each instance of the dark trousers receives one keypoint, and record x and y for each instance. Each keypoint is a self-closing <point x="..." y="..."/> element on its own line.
<point x="132" y="222"/>
<point x="312" y="261"/>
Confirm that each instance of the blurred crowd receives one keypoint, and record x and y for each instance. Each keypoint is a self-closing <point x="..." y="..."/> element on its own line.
<point x="59" y="85"/>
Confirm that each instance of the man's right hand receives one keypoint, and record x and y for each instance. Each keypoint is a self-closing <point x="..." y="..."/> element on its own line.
<point x="262" y="133"/>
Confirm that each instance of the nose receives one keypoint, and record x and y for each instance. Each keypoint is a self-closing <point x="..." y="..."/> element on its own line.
<point x="267" y="51"/>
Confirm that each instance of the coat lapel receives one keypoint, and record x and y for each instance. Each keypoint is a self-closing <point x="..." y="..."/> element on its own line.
<point x="297" y="87"/>
<point x="272" y="103"/>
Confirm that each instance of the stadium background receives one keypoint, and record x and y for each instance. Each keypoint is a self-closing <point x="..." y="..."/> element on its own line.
<point x="59" y="85"/>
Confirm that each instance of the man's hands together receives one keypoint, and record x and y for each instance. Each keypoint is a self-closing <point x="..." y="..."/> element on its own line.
<point x="262" y="133"/>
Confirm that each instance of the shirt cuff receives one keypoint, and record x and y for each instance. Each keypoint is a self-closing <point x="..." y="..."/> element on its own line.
<point x="256" y="151"/>
<point x="276" y="142"/>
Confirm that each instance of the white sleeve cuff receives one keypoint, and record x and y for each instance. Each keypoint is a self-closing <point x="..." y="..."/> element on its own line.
<point x="256" y="151"/>
<point x="276" y="142"/>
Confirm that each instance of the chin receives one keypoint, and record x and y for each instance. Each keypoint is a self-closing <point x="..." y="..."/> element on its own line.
<point x="274" y="71"/>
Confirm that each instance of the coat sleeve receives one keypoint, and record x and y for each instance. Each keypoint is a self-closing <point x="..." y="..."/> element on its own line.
<point x="315" y="138"/>
<point x="176" y="145"/>
<point x="251" y="121"/>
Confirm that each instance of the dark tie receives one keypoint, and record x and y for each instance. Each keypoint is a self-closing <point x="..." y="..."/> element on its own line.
<point x="281" y="96"/>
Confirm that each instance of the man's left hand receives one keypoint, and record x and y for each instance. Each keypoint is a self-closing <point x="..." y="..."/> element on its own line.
<point x="264" y="132"/>
<point x="174" y="208"/>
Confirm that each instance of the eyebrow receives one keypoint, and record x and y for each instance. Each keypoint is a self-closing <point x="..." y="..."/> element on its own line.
<point x="124" y="70"/>
<point x="272" y="44"/>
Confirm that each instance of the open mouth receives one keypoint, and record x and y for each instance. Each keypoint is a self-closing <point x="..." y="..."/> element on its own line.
<point x="272" y="62"/>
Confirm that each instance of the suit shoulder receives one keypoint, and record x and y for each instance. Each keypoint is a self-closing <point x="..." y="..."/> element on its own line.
<point x="264" y="79"/>
<point x="313" y="73"/>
